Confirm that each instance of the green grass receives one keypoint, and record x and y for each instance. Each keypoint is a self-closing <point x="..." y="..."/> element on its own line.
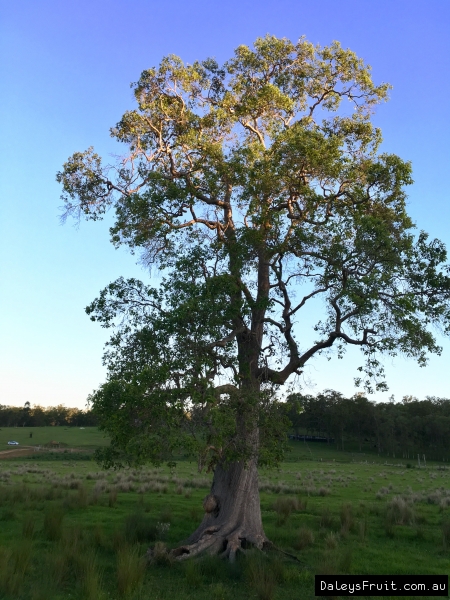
<point x="67" y="529"/>
<point x="86" y="439"/>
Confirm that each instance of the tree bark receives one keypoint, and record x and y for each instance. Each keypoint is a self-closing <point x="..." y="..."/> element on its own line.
<point x="232" y="518"/>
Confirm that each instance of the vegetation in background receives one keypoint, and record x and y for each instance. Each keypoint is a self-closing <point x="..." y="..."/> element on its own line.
<point x="404" y="429"/>
<point x="39" y="416"/>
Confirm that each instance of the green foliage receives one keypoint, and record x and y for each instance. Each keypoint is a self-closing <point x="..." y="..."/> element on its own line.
<point x="39" y="416"/>
<point x="403" y="429"/>
<point x="257" y="188"/>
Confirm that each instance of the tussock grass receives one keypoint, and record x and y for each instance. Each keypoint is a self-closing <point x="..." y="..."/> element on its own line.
<point x="362" y="530"/>
<point x="284" y="507"/>
<point x="193" y="574"/>
<point x="14" y="563"/>
<point x="130" y="570"/>
<point x="260" y="577"/>
<point x="218" y="591"/>
<point x="112" y="499"/>
<point x="304" y="538"/>
<point x="347" y="519"/>
<point x="139" y="528"/>
<point x="446" y="534"/>
<point x="327" y="562"/>
<point x="28" y="525"/>
<point x="53" y="524"/>
<point x="399" y="512"/>
<point x="160" y="555"/>
<point x="90" y="576"/>
<point x="326" y="519"/>
<point x="331" y="540"/>
<point x="345" y="560"/>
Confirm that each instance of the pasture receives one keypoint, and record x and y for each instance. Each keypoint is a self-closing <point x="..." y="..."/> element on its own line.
<point x="70" y="530"/>
<point x="87" y="438"/>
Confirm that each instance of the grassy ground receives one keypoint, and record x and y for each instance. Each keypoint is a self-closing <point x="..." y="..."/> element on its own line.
<point x="68" y="530"/>
<point x="86" y="438"/>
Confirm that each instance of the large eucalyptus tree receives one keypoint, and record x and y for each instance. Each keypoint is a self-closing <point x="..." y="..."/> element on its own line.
<point x="256" y="188"/>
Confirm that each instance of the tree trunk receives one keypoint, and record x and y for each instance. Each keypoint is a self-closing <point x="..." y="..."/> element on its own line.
<point x="232" y="518"/>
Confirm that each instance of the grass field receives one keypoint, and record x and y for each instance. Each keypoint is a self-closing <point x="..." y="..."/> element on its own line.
<point x="69" y="530"/>
<point x="87" y="438"/>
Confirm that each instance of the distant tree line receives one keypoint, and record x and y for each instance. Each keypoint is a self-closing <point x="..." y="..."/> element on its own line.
<point x="39" y="416"/>
<point x="400" y="430"/>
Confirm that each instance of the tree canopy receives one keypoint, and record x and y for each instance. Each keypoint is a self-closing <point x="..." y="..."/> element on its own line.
<point x="257" y="187"/>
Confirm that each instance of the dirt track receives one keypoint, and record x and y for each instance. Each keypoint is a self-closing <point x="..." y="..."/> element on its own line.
<point x="16" y="452"/>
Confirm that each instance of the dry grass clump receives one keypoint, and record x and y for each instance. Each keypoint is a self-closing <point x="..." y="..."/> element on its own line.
<point x="112" y="499"/>
<point x="382" y="492"/>
<point x="399" y="512"/>
<point x="100" y="486"/>
<point x="160" y="555"/>
<point x="331" y="540"/>
<point x="284" y="507"/>
<point x="444" y="503"/>
<point x="96" y="476"/>
<point x="125" y="486"/>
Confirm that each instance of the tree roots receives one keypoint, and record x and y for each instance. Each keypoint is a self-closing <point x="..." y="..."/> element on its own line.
<point x="214" y="541"/>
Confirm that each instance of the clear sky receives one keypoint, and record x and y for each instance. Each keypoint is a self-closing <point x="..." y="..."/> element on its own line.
<point x="65" y="70"/>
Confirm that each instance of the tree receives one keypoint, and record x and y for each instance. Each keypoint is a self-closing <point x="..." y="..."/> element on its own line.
<point x="257" y="188"/>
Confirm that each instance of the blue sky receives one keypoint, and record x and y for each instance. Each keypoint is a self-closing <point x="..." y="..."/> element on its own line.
<point x="65" y="70"/>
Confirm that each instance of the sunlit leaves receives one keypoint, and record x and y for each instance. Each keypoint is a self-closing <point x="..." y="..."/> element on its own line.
<point x="257" y="187"/>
